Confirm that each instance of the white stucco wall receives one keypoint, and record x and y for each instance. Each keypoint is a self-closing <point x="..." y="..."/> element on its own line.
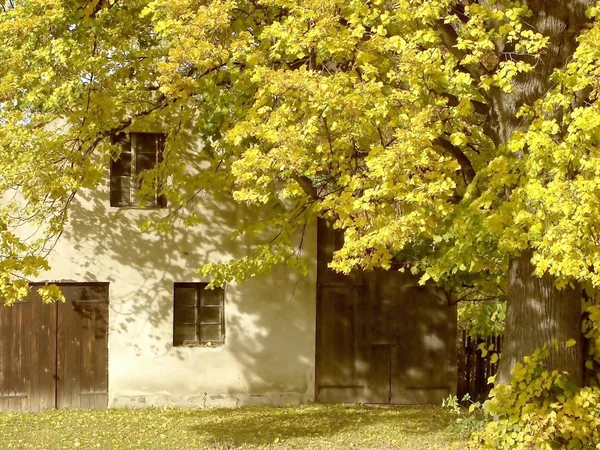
<point x="268" y="357"/>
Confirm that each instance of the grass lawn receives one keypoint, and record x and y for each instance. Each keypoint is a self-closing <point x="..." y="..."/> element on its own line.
<point x="302" y="427"/>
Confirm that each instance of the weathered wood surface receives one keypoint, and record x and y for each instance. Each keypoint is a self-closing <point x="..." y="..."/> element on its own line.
<point x="55" y="355"/>
<point x="82" y="378"/>
<point x="381" y="338"/>
<point x="27" y="355"/>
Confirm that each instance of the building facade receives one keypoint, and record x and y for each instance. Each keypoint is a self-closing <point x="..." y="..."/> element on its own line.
<point x="139" y="328"/>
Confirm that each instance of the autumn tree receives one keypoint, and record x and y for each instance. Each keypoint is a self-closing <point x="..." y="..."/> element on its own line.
<point x="456" y="138"/>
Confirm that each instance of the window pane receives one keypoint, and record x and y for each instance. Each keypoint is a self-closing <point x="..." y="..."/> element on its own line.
<point x="210" y="333"/>
<point x="185" y="315"/>
<point x="144" y="161"/>
<point x="122" y="166"/>
<point x="123" y="139"/>
<point x="120" y="190"/>
<point x="210" y="315"/>
<point x="146" y="142"/>
<point x="211" y="297"/>
<point x="183" y="333"/>
<point x="202" y="310"/>
<point x="185" y="296"/>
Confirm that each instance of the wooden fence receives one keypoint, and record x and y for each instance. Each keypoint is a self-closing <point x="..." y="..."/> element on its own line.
<point x="473" y="368"/>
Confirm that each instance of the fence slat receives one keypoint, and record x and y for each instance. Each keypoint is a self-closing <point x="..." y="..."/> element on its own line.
<point x="474" y="369"/>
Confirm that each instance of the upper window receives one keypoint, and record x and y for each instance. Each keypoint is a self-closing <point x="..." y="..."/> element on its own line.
<point x="139" y="152"/>
<point x="198" y="315"/>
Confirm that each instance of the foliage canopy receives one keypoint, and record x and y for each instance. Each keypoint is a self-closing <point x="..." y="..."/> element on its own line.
<point x="435" y="133"/>
<point x="443" y="135"/>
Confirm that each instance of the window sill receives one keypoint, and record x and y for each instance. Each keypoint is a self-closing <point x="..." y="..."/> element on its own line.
<point x="196" y="344"/>
<point x="136" y="207"/>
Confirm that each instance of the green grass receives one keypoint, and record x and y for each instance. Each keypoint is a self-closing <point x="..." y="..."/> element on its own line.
<point x="301" y="427"/>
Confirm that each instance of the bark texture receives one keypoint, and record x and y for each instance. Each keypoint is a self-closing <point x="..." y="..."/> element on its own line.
<point x="538" y="313"/>
<point x="561" y="22"/>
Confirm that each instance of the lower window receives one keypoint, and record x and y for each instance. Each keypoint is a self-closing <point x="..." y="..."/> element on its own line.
<point x="198" y="317"/>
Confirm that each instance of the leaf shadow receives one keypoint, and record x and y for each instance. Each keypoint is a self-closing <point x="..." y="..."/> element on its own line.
<point x="265" y="426"/>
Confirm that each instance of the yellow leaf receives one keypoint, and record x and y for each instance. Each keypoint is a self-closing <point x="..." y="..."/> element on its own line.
<point x="589" y="364"/>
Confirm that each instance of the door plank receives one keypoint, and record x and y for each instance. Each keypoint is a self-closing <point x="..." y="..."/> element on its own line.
<point x="83" y="347"/>
<point x="27" y="355"/>
<point x="423" y="344"/>
<point x="336" y="337"/>
<point x="42" y="353"/>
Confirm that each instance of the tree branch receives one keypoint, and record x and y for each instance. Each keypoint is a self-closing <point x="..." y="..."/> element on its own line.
<point x="461" y="158"/>
<point x="307" y="186"/>
<point x="479" y="107"/>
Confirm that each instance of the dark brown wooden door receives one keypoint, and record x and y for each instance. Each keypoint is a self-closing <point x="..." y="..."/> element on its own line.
<point x="55" y="355"/>
<point x="350" y="367"/>
<point x="418" y="330"/>
<point x="381" y="337"/>
<point x="82" y="353"/>
<point x="27" y="356"/>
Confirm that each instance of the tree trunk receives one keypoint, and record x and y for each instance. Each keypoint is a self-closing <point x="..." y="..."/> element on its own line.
<point x="538" y="313"/>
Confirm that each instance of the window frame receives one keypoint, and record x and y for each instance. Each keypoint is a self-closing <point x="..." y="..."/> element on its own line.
<point x="198" y="323"/>
<point x="134" y="181"/>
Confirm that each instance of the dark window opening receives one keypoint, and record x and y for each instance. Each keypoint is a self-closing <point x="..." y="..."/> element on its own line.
<point x="139" y="152"/>
<point x="198" y="316"/>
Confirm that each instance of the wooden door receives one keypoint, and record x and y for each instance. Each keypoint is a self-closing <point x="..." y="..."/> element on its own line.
<point x="381" y="337"/>
<point x="350" y="367"/>
<point x="55" y="355"/>
<point x="82" y="353"/>
<point x="27" y="355"/>
<point x="418" y="329"/>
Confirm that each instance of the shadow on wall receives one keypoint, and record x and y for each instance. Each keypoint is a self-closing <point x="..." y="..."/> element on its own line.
<point x="269" y="321"/>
